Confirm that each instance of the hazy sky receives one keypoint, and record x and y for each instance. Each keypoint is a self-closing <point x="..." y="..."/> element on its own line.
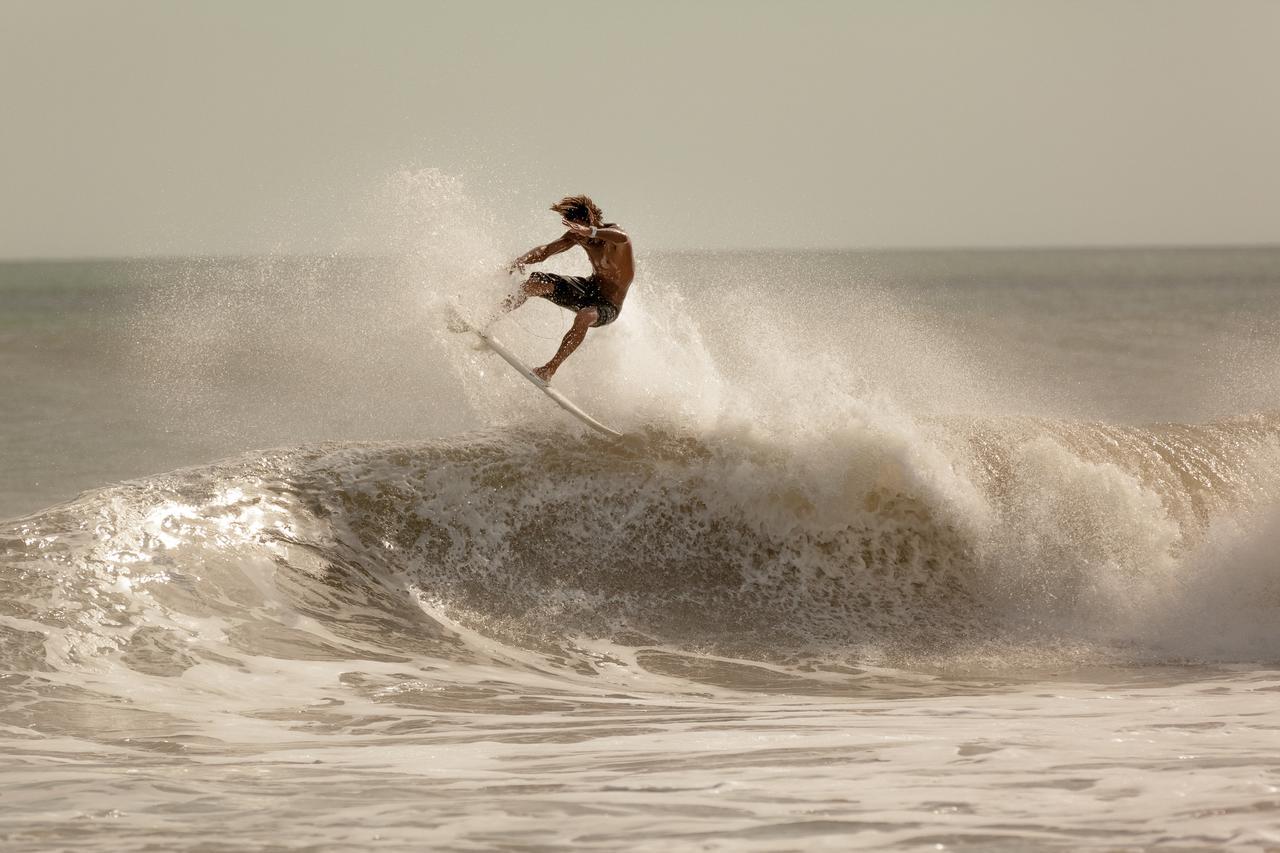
<point x="173" y="127"/>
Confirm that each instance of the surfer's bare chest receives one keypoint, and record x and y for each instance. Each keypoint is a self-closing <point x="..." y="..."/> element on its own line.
<point x="612" y="262"/>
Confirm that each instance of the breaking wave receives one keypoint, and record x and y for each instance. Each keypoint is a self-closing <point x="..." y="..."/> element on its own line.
<point x="963" y="537"/>
<point x="768" y="502"/>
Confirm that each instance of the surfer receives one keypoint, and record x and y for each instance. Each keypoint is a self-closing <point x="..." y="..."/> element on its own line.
<point x="595" y="299"/>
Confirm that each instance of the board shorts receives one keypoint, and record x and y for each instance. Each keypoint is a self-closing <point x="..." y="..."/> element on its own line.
<point x="576" y="292"/>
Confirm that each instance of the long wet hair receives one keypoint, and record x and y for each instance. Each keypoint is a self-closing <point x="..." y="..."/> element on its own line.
<point x="579" y="208"/>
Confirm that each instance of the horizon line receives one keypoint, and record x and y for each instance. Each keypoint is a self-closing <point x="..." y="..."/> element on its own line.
<point x="923" y="249"/>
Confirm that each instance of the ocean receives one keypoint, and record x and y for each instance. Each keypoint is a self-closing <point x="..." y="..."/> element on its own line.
<point x="950" y="550"/>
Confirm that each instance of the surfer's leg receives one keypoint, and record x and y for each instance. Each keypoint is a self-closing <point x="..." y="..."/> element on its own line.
<point x="531" y="287"/>
<point x="582" y="321"/>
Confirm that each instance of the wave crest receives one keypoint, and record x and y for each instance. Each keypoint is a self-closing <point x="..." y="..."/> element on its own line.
<point x="868" y="541"/>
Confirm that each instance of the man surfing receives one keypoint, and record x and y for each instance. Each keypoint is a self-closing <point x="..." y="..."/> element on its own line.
<point x="596" y="299"/>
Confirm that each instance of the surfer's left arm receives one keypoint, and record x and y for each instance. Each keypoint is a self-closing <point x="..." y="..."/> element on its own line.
<point x="609" y="235"/>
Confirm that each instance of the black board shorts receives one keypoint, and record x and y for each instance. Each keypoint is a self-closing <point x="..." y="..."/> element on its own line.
<point x="576" y="292"/>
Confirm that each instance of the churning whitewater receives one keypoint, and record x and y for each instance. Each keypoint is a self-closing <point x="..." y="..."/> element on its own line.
<point x="1020" y="537"/>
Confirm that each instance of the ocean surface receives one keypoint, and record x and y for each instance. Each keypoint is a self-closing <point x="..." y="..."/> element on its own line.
<point x="911" y="551"/>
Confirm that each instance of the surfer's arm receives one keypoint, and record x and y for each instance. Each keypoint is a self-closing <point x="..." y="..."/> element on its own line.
<point x="609" y="235"/>
<point x="541" y="253"/>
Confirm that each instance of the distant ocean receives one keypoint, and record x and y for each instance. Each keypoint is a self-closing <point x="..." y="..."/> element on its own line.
<point x="911" y="550"/>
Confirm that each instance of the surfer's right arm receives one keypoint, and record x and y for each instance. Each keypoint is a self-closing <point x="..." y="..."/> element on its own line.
<point x="540" y="254"/>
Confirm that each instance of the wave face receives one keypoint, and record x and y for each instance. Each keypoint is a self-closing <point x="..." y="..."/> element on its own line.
<point x="1005" y="537"/>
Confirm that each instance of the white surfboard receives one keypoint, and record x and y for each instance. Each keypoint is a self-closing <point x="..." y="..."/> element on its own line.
<point x="561" y="400"/>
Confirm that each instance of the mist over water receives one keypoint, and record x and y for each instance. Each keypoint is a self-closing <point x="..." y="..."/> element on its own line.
<point x="973" y="496"/>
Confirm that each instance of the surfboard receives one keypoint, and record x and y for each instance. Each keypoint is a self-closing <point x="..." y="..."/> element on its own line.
<point x="561" y="400"/>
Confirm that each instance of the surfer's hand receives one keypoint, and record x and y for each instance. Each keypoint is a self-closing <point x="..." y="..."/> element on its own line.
<point x="515" y="267"/>
<point x="577" y="228"/>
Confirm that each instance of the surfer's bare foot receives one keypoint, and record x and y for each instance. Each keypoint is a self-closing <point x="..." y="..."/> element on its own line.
<point x="545" y="372"/>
